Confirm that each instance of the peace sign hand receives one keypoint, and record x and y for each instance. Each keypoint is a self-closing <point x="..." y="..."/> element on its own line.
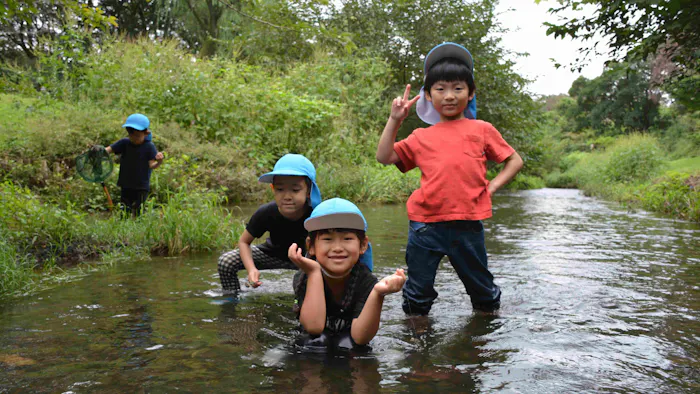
<point x="401" y="105"/>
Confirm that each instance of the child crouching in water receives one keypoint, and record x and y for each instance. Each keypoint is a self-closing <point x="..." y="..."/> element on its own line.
<point x="336" y="295"/>
<point x="293" y="182"/>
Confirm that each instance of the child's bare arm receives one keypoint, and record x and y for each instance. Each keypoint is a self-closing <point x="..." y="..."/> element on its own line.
<point x="247" y="258"/>
<point x="399" y="111"/>
<point x="365" y="326"/>
<point x="153" y="164"/>
<point x="313" y="310"/>
<point x="512" y="166"/>
<point x="108" y="149"/>
<point x="385" y="148"/>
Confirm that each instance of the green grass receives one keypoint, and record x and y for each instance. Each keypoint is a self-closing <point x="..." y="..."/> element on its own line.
<point x="37" y="238"/>
<point x="16" y="275"/>
<point x="631" y="172"/>
<point x="690" y="164"/>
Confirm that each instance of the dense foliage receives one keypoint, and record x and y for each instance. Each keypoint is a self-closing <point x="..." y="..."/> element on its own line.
<point x="635" y="29"/>
<point x="665" y="33"/>
<point x="618" y="100"/>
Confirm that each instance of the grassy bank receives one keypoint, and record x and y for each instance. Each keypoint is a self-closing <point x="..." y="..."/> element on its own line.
<point x="634" y="171"/>
<point x="41" y="237"/>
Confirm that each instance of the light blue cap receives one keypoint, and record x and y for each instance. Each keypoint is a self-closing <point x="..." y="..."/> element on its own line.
<point x="137" y="121"/>
<point x="339" y="213"/>
<point x="424" y="108"/>
<point x="295" y="165"/>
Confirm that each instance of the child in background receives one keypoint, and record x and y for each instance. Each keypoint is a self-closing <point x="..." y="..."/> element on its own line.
<point x="445" y="213"/>
<point x="293" y="182"/>
<point x="340" y="301"/>
<point x="139" y="157"/>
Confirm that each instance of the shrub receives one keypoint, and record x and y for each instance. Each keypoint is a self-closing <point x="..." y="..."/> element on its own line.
<point x="682" y="136"/>
<point x="677" y="194"/>
<point x="557" y="179"/>
<point x="570" y="160"/>
<point x="525" y="182"/>
<point x="632" y="158"/>
<point x="586" y="168"/>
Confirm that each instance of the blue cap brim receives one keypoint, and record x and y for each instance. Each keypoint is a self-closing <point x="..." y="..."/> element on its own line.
<point x="269" y="177"/>
<point x="134" y="126"/>
<point x="336" y="220"/>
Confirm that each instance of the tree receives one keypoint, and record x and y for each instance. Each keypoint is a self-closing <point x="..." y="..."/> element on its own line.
<point x="136" y="18"/>
<point x="634" y="30"/>
<point x="618" y="101"/>
<point x="25" y="25"/>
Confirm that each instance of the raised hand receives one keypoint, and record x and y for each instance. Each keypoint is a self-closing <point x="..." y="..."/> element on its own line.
<point x="305" y="264"/>
<point x="159" y="156"/>
<point x="401" y="105"/>
<point x="391" y="283"/>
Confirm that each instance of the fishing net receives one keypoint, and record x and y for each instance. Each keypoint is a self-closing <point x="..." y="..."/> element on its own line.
<point x="95" y="165"/>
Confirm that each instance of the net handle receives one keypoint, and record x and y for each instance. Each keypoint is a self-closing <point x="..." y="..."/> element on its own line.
<point x="110" y="205"/>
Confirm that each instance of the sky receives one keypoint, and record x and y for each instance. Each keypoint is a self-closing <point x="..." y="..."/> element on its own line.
<point x="527" y="34"/>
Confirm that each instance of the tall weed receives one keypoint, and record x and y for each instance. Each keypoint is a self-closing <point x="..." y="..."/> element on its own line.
<point x="632" y="158"/>
<point x="34" y="226"/>
<point x="186" y="222"/>
<point x="16" y="275"/>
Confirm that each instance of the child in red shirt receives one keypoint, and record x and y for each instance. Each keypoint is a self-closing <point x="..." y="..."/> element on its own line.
<point x="445" y="213"/>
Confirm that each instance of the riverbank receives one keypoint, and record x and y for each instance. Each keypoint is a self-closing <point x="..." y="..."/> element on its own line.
<point x="40" y="240"/>
<point x="633" y="171"/>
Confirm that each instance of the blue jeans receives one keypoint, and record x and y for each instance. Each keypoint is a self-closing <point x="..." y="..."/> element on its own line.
<point x="463" y="242"/>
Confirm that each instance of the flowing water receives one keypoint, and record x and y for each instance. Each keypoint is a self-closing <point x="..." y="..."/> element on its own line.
<point x="595" y="298"/>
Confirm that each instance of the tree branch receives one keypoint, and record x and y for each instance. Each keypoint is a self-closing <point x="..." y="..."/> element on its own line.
<point x="230" y="6"/>
<point x="196" y="16"/>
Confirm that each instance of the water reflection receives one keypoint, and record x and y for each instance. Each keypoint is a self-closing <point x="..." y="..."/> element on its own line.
<point x="448" y="357"/>
<point x="595" y="298"/>
<point x="322" y="373"/>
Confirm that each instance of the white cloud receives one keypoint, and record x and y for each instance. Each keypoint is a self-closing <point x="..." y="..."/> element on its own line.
<point x="527" y="33"/>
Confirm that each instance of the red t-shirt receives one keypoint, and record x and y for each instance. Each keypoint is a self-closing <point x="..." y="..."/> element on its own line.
<point x="452" y="159"/>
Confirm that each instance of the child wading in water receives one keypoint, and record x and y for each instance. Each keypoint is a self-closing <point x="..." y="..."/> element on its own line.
<point x="293" y="181"/>
<point x="340" y="301"/>
<point x="445" y="213"/>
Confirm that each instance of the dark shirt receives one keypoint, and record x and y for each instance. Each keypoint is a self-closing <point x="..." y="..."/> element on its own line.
<point x="337" y="318"/>
<point x="283" y="232"/>
<point x="134" y="172"/>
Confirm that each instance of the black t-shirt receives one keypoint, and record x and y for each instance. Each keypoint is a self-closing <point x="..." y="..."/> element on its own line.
<point x="134" y="172"/>
<point x="283" y="232"/>
<point x="337" y="318"/>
